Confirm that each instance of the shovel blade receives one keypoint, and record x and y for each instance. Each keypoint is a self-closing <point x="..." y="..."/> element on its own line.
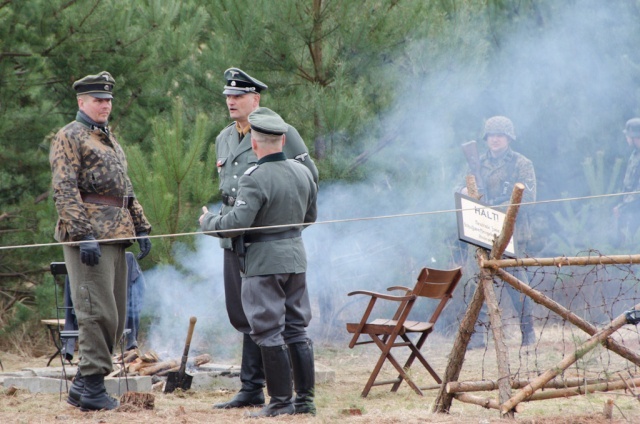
<point x="176" y="381"/>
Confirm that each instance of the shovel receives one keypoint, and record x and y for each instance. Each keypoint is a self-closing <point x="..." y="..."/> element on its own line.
<point x="180" y="379"/>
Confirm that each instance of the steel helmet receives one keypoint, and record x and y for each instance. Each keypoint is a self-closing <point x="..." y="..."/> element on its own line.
<point x="632" y="128"/>
<point x="500" y="125"/>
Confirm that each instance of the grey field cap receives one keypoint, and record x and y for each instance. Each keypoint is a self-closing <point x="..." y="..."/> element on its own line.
<point x="99" y="85"/>
<point x="266" y="121"/>
<point x="239" y="83"/>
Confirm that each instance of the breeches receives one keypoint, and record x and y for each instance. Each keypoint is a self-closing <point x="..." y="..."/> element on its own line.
<point x="277" y="308"/>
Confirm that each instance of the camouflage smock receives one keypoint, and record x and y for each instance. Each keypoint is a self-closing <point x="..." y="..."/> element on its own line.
<point x="235" y="156"/>
<point x="90" y="161"/>
<point x="500" y="175"/>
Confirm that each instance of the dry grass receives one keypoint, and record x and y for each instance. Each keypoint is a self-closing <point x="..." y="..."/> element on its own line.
<point x="334" y="401"/>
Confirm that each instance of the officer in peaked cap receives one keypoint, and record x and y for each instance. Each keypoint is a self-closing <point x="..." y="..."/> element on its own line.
<point x="234" y="156"/>
<point x="239" y="83"/>
<point x="626" y="212"/>
<point x="276" y="195"/>
<point x="99" y="86"/>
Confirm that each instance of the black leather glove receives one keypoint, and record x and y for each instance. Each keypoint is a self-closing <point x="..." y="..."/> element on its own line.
<point x="145" y="244"/>
<point x="90" y="251"/>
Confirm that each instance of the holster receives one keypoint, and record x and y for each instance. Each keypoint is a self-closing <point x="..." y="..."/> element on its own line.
<point x="238" y="246"/>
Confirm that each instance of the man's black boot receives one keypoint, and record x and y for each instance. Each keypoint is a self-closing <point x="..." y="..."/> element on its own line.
<point x="304" y="376"/>
<point x="277" y="366"/>
<point x="251" y="377"/>
<point x="76" y="389"/>
<point x="95" y="397"/>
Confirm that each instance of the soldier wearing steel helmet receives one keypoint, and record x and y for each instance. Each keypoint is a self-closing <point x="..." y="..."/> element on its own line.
<point x="234" y="157"/>
<point x="500" y="169"/>
<point x="627" y="211"/>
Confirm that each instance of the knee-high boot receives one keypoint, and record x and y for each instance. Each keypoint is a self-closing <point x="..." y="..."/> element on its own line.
<point x="251" y="376"/>
<point x="304" y="376"/>
<point x="277" y="367"/>
<point x="94" y="396"/>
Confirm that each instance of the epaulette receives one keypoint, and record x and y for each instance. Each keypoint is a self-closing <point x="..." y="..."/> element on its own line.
<point x="250" y="170"/>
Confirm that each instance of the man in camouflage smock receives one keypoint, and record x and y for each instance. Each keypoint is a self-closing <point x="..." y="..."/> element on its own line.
<point x="500" y="169"/>
<point x="627" y="212"/>
<point x="234" y="156"/>
<point x="276" y="192"/>
<point x="95" y="201"/>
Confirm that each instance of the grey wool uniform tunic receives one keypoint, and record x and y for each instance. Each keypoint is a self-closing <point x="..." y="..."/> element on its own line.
<point x="275" y="192"/>
<point x="234" y="157"/>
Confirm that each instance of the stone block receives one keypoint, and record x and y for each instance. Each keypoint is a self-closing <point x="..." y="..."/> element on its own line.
<point x="215" y="381"/>
<point x="118" y="386"/>
<point x="37" y="384"/>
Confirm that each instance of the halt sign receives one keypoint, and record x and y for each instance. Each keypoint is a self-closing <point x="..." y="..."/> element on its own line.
<point x="479" y="224"/>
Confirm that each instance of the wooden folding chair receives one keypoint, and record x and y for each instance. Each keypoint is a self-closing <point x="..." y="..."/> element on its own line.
<point x="392" y="333"/>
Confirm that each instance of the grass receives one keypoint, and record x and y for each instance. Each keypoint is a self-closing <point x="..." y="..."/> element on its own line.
<point x="339" y="400"/>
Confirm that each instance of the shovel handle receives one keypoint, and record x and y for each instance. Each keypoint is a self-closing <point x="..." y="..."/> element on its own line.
<point x="185" y="355"/>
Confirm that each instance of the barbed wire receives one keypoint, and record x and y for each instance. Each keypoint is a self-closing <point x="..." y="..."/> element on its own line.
<point x="334" y="221"/>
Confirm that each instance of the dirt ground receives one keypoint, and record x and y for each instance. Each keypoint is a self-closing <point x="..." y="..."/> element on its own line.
<point x="339" y="401"/>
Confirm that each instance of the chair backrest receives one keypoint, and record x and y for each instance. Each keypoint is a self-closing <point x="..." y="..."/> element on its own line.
<point x="437" y="284"/>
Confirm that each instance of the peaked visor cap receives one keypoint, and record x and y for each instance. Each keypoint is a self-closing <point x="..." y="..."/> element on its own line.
<point x="266" y="121"/>
<point x="239" y="83"/>
<point x="99" y="85"/>
<point x="632" y="128"/>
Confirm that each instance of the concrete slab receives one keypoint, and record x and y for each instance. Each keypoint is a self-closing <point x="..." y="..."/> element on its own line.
<point x="118" y="386"/>
<point x="114" y="386"/>
<point x="220" y="368"/>
<point x="53" y="372"/>
<point x="215" y="381"/>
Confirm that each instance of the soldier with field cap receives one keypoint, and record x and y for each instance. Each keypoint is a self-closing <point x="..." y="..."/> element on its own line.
<point x="95" y="201"/>
<point x="234" y="157"/>
<point x="627" y="212"/>
<point x="281" y="193"/>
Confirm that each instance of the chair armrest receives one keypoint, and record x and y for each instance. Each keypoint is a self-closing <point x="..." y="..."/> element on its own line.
<point x="382" y="296"/>
<point x="407" y="290"/>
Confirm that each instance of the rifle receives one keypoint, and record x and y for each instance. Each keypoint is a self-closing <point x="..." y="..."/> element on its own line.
<point x="470" y="149"/>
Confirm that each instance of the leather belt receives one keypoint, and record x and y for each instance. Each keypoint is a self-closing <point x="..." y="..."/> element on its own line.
<point x="228" y="200"/>
<point x="100" y="199"/>
<point x="259" y="237"/>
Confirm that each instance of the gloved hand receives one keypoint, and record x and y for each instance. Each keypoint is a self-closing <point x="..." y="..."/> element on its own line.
<point x="90" y="251"/>
<point x="145" y="244"/>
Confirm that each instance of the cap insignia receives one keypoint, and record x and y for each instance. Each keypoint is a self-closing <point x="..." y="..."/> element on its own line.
<point x="233" y="83"/>
<point x="233" y="73"/>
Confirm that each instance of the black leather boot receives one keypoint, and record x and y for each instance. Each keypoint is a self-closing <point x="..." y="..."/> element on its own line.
<point x="251" y="376"/>
<point x="76" y="389"/>
<point x="277" y="366"/>
<point x="95" y="397"/>
<point x="304" y="376"/>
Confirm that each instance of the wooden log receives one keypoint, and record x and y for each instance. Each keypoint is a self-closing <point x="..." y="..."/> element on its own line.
<point x="581" y="390"/>
<point x="443" y="400"/>
<point x="131" y="356"/>
<point x="482" y="401"/>
<point x="205" y="358"/>
<point x="566" y="314"/>
<point x="167" y="371"/>
<point x="488" y="385"/>
<point x="565" y="363"/>
<point x="607" y="411"/>
<point x="155" y="368"/>
<point x="561" y="261"/>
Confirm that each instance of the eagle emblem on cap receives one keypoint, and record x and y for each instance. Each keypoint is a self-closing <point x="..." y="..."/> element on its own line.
<point x="233" y="73"/>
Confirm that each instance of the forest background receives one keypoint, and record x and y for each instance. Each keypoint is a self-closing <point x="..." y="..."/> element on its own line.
<point x="383" y="92"/>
